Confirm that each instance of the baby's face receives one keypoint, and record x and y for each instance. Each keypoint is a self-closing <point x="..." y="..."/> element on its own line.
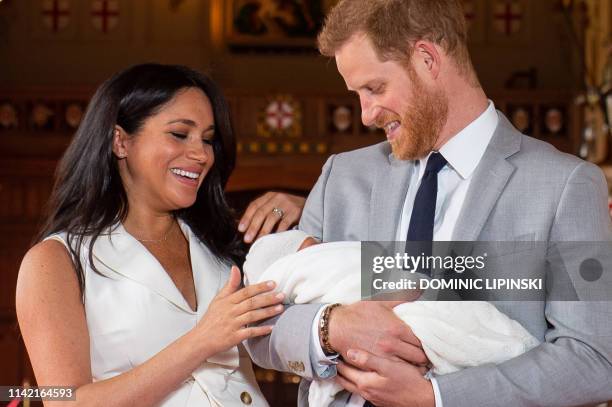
<point x="309" y="241"/>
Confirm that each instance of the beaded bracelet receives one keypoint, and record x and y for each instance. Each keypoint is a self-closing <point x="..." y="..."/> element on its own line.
<point x="324" y="329"/>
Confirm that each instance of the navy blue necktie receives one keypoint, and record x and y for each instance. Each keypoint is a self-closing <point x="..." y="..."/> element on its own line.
<point x="424" y="210"/>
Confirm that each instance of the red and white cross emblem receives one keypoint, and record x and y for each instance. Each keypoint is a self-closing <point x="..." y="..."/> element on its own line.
<point x="56" y="14"/>
<point x="279" y="115"/>
<point x="105" y="14"/>
<point x="508" y="16"/>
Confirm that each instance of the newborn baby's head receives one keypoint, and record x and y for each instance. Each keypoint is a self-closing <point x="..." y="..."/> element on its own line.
<point x="268" y="249"/>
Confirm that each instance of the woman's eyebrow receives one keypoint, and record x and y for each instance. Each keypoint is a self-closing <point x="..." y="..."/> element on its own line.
<point x="188" y="122"/>
<point x="191" y="123"/>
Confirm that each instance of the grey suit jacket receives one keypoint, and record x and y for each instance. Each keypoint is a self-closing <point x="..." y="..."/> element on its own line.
<point x="523" y="189"/>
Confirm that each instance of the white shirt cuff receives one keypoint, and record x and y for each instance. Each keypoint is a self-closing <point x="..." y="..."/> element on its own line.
<point x="436" y="389"/>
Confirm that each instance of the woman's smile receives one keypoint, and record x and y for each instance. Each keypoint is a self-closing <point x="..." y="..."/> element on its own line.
<point x="187" y="176"/>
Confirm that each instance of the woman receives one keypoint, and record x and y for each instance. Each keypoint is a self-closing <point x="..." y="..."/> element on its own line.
<point x="126" y="297"/>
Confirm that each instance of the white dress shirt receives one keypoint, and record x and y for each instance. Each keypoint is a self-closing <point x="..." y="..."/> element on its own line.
<point x="463" y="153"/>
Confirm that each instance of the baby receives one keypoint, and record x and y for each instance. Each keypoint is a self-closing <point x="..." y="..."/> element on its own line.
<point x="455" y="335"/>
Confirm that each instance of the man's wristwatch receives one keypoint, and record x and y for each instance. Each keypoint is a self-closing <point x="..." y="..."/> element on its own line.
<point x="324" y="329"/>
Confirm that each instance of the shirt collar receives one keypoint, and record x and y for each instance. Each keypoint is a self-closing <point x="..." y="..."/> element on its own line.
<point x="465" y="150"/>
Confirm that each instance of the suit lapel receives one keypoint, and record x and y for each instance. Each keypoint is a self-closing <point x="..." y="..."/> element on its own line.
<point x="387" y="199"/>
<point x="488" y="182"/>
<point x="119" y="252"/>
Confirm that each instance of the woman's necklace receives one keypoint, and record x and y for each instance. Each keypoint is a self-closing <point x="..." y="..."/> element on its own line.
<point x="163" y="239"/>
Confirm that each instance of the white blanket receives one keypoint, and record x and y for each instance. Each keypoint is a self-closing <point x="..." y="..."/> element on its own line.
<point x="455" y="335"/>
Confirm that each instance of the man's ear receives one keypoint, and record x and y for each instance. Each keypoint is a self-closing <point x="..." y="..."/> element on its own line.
<point x="427" y="58"/>
<point x="120" y="139"/>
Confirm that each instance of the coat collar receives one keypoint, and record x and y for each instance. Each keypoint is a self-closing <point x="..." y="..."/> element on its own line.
<point x="488" y="182"/>
<point x="119" y="253"/>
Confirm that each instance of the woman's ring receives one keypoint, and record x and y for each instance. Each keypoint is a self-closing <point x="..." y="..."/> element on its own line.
<point x="278" y="212"/>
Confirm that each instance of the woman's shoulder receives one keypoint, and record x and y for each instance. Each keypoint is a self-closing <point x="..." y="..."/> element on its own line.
<point x="47" y="259"/>
<point x="49" y="309"/>
<point x="47" y="276"/>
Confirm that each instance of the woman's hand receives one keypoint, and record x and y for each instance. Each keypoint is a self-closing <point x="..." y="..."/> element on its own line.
<point x="226" y="322"/>
<point x="272" y="209"/>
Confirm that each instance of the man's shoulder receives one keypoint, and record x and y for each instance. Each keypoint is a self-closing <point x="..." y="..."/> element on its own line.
<point x="532" y="147"/>
<point x="545" y="158"/>
<point x="531" y="154"/>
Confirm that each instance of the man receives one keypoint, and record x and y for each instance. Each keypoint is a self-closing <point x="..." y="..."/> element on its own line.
<point x="452" y="169"/>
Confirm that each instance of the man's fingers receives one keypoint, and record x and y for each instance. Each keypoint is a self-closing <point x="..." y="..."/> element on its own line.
<point x="357" y="375"/>
<point x="403" y="344"/>
<point x="408" y="336"/>
<point x="350" y="373"/>
<point x="411" y="354"/>
<point x="347" y="384"/>
<point x="391" y="304"/>
<point x="423" y="370"/>
<point x="366" y="361"/>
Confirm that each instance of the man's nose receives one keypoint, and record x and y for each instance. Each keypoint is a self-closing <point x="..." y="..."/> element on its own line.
<point x="368" y="113"/>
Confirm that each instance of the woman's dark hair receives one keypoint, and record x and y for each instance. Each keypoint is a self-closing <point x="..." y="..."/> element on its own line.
<point x="88" y="196"/>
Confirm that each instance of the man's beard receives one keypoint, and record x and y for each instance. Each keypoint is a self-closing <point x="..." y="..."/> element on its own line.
<point x="421" y="124"/>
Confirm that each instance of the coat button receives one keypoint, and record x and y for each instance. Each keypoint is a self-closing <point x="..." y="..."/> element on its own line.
<point x="246" y="398"/>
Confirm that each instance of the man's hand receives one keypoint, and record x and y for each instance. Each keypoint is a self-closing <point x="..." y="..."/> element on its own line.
<point x="385" y="382"/>
<point x="372" y="326"/>
<point x="260" y="218"/>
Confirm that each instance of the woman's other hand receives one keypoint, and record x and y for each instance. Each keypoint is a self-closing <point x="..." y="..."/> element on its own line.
<point x="226" y="322"/>
<point x="272" y="209"/>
